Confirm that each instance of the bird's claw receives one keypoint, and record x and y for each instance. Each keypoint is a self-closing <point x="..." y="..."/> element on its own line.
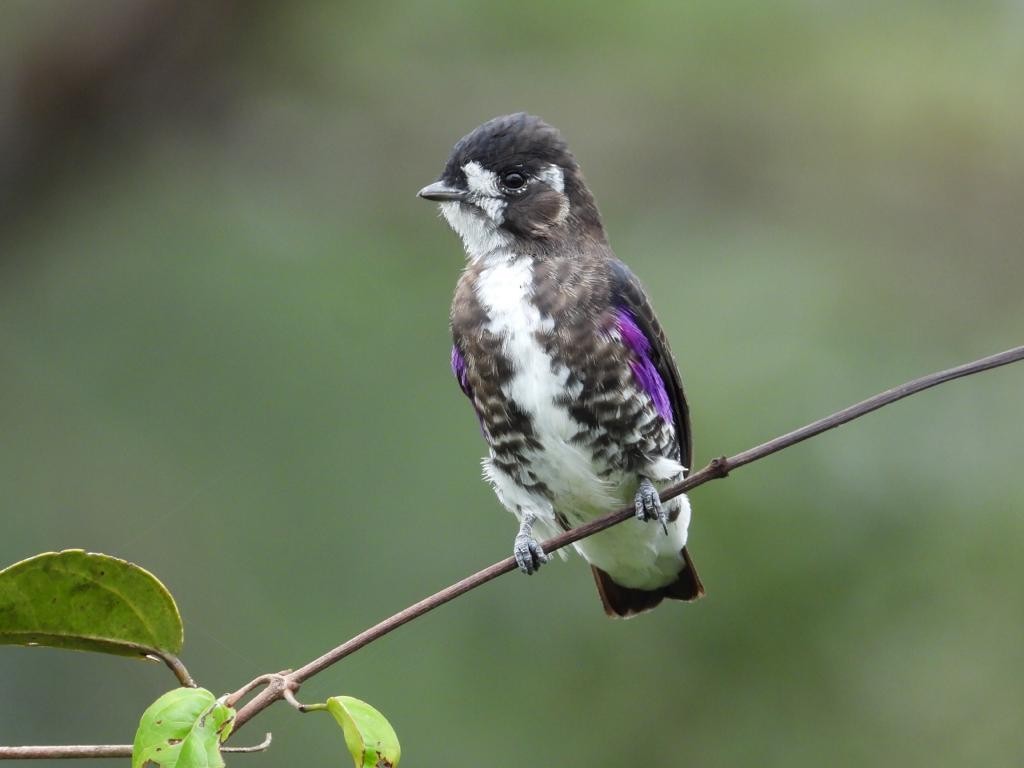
<point x="529" y="554"/>
<point x="648" y="504"/>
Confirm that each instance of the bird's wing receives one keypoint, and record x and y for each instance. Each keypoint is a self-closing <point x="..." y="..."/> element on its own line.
<point x="460" y="372"/>
<point x="653" y="365"/>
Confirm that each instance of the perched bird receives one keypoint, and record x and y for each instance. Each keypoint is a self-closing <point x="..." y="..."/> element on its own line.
<point x="568" y="369"/>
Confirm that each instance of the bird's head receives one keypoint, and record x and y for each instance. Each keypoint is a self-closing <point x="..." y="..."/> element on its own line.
<point x="513" y="183"/>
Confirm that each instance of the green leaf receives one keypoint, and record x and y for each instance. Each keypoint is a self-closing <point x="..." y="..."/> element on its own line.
<point x="184" y="728"/>
<point x="371" y="740"/>
<point x="87" y="602"/>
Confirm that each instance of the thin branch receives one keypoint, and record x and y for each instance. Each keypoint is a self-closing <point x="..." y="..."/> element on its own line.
<point x="279" y="686"/>
<point x="245" y="690"/>
<point x="718" y="468"/>
<point x="874" y="403"/>
<point x="263" y="746"/>
<point x="73" y="751"/>
<point x="69" y="752"/>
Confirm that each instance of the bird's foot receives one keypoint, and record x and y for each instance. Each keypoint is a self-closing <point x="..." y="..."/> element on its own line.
<point x="648" y="504"/>
<point x="529" y="554"/>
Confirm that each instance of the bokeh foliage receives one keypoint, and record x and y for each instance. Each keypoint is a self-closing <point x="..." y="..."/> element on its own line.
<point x="223" y="311"/>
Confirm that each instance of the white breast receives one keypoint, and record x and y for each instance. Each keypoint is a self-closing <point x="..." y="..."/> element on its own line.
<point x="505" y="288"/>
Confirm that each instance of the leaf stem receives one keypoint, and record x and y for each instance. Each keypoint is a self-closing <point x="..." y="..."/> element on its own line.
<point x="176" y="665"/>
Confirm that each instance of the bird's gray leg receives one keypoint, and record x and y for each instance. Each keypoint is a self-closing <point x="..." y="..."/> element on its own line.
<point x="648" y="505"/>
<point x="529" y="555"/>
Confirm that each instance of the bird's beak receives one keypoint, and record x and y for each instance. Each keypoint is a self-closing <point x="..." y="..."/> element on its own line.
<point x="442" y="192"/>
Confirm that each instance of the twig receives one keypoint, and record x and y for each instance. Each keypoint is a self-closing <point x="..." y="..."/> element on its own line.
<point x="718" y="468"/>
<point x="263" y="746"/>
<point x="73" y="751"/>
<point x="283" y="686"/>
<point x="245" y="690"/>
<point x="65" y="752"/>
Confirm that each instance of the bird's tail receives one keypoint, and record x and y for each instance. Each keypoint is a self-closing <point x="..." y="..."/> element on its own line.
<point x="623" y="602"/>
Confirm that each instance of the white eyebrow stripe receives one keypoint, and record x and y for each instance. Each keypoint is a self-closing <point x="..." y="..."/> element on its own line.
<point x="552" y="176"/>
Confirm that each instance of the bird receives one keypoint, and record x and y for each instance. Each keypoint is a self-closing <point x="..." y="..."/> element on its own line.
<point x="555" y="343"/>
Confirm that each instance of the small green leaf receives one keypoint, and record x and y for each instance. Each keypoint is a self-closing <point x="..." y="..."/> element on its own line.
<point x="371" y="740"/>
<point x="184" y="728"/>
<point x="87" y="602"/>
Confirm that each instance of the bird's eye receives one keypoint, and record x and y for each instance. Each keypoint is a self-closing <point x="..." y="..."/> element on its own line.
<point x="513" y="180"/>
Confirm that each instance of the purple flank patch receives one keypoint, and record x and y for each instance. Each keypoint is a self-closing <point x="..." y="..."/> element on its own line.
<point x="459" y="369"/>
<point x="462" y="376"/>
<point x="646" y="375"/>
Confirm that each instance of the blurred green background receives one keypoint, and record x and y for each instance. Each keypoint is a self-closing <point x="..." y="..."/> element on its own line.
<point x="224" y="356"/>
